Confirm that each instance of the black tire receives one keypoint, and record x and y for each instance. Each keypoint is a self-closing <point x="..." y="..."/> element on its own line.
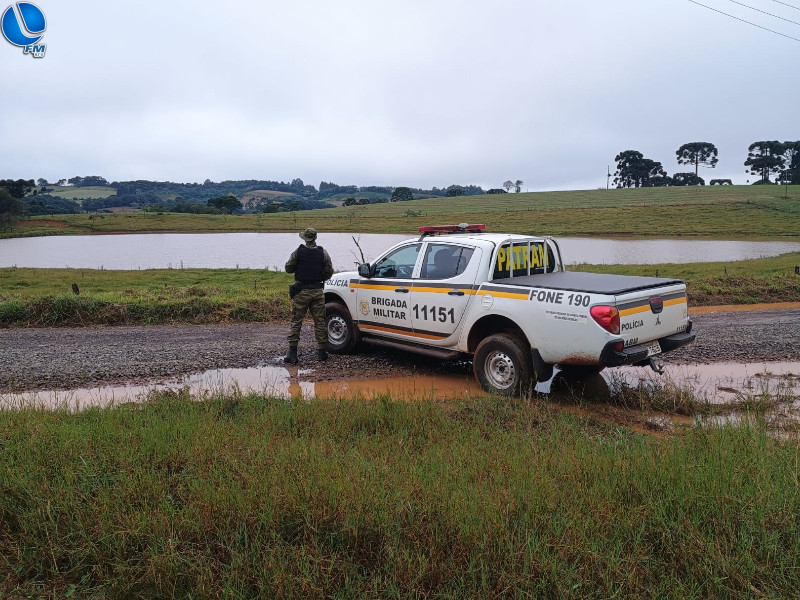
<point x="503" y="366"/>
<point x="343" y="336"/>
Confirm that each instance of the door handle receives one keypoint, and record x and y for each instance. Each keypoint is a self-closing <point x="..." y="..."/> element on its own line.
<point x="455" y="293"/>
<point x="402" y="290"/>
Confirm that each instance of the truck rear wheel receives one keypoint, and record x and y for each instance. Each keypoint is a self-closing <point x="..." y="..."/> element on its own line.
<point x="343" y="337"/>
<point x="503" y="365"/>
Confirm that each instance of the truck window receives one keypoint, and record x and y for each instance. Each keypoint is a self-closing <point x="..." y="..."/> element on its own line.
<point x="524" y="258"/>
<point x="399" y="263"/>
<point x="443" y="261"/>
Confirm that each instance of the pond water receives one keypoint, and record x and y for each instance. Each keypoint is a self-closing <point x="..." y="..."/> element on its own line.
<point x="271" y="250"/>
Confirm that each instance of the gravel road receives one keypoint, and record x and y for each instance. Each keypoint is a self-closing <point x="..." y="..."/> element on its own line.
<point x="41" y="359"/>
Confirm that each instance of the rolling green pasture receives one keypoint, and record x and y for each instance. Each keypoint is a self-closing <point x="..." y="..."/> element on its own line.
<point x="44" y="297"/>
<point x="268" y="194"/>
<point x="255" y="497"/>
<point x="719" y="211"/>
<point x="79" y="193"/>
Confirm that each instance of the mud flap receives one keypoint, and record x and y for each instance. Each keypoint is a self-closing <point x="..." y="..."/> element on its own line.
<point x="543" y="370"/>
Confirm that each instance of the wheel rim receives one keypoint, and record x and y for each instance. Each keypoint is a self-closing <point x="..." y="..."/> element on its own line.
<point x="500" y="370"/>
<point x="337" y="330"/>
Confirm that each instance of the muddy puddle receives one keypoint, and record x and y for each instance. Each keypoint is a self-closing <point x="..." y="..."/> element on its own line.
<point x="267" y="380"/>
<point x="712" y="394"/>
<point x="634" y="397"/>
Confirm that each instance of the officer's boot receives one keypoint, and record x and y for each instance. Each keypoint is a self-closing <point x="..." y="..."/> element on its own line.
<point x="322" y="354"/>
<point x="291" y="358"/>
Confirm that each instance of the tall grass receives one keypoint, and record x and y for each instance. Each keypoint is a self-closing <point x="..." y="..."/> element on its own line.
<point x="44" y="297"/>
<point x="241" y="497"/>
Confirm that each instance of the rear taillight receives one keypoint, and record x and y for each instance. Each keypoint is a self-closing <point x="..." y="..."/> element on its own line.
<point x="607" y="317"/>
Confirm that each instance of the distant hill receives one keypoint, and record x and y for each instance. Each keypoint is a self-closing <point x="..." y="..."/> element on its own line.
<point x="96" y="194"/>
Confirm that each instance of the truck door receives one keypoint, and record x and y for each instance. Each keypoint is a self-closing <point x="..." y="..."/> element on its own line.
<point x="443" y="289"/>
<point x="384" y="299"/>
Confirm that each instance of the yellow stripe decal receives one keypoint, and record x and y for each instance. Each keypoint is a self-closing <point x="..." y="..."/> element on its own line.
<point x="510" y="295"/>
<point x="376" y="287"/>
<point x="445" y="290"/>
<point x="432" y="290"/>
<point x="681" y="300"/>
<point x="635" y="310"/>
<point x="645" y="307"/>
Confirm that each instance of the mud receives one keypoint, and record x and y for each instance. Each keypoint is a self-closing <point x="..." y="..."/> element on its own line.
<point x="720" y="393"/>
<point x="705" y="310"/>
<point x="739" y="363"/>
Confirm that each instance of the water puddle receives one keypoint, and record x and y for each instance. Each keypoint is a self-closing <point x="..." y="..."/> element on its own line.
<point x="724" y="383"/>
<point x="267" y="380"/>
<point x="713" y="394"/>
<point x="634" y="397"/>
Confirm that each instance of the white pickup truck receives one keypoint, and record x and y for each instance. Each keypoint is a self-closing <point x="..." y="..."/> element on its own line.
<point x="507" y="301"/>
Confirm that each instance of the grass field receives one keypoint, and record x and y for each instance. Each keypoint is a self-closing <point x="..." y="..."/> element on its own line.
<point x="246" y="496"/>
<point x="739" y="282"/>
<point x="719" y="211"/>
<point x="79" y="193"/>
<point x="44" y="297"/>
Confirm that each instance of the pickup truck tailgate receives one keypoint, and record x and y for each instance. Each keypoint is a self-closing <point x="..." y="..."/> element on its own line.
<point x="647" y="315"/>
<point x="649" y="307"/>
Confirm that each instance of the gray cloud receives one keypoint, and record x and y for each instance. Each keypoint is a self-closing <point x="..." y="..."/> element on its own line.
<point x="412" y="93"/>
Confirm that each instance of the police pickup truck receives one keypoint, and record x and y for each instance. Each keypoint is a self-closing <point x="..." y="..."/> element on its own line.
<point x="507" y="301"/>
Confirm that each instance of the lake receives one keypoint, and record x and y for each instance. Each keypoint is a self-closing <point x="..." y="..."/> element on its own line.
<point x="271" y="250"/>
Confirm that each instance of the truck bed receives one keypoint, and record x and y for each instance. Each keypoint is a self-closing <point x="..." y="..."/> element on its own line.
<point x="596" y="283"/>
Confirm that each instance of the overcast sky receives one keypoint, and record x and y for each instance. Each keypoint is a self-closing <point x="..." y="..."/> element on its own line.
<point x="418" y="93"/>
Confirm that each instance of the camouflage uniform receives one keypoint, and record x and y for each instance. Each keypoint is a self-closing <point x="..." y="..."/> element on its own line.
<point x="312" y="300"/>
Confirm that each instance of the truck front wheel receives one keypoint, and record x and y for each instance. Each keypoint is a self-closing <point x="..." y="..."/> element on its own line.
<point x="343" y="337"/>
<point x="503" y="365"/>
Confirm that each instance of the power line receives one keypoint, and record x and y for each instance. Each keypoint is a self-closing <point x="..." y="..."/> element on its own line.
<point x="744" y="21"/>
<point x="764" y="12"/>
<point x="784" y="3"/>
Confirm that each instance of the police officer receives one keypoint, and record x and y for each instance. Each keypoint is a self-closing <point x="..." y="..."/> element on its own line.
<point x="311" y="266"/>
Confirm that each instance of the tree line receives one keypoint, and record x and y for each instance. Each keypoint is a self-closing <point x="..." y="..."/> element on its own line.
<point x="194" y="197"/>
<point x="764" y="159"/>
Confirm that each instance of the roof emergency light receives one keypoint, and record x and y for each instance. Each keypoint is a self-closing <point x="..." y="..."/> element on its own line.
<point x="460" y="228"/>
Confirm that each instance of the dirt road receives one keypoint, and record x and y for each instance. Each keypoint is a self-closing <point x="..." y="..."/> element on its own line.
<point x="33" y="359"/>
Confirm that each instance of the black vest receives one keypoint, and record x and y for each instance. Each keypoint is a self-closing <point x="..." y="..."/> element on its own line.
<point x="310" y="264"/>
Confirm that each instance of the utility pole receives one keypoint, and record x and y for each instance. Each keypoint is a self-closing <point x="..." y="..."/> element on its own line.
<point x="608" y="175"/>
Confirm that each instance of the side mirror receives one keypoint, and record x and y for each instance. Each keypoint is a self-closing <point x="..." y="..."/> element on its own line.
<point x="364" y="270"/>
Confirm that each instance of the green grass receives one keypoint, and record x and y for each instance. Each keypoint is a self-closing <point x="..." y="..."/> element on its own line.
<point x="244" y="496"/>
<point x="740" y="282"/>
<point x="44" y="297"/>
<point x="719" y="211"/>
<point x="80" y="193"/>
